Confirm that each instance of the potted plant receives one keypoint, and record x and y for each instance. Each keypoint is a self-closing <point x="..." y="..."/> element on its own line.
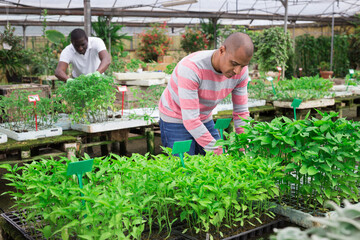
<point x="325" y="70"/>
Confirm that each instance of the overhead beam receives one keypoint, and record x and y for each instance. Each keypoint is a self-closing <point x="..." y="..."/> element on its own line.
<point x="132" y="24"/>
<point x="115" y="12"/>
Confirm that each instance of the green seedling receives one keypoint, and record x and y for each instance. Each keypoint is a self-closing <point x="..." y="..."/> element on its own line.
<point x="295" y="104"/>
<point x="180" y="148"/>
<point x="222" y="124"/>
<point x="272" y="84"/>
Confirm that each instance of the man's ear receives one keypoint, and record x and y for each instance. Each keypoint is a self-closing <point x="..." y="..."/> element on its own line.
<point x="222" y="50"/>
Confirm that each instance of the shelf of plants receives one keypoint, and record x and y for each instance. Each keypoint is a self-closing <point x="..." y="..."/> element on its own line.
<point x="89" y="100"/>
<point x="320" y="158"/>
<point x="19" y="116"/>
<point x="142" y="196"/>
<point x="313" y="91"/>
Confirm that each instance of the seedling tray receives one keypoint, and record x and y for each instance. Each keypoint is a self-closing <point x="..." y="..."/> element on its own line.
<point x="307" y="104"/>
<point x="3" y="138"/>
<point x="144" y="82"/>
<point x="109" y="125"/>
<point x="64" y="122"/>
<point x="50" y="132"/>
<point x="17" y="222"/>
<point x="259" y="231"/>
<point x="229" y="106"/>
<point x="138" y="76"/>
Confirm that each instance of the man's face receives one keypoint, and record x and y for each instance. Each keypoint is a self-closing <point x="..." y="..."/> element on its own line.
<point x="80" y="45"/>
<point x="231" y="63"/>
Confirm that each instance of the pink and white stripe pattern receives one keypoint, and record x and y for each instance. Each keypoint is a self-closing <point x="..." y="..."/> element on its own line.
<point x="194" y="90"/>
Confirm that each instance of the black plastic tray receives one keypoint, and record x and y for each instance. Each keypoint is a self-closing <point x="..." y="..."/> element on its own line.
<point x="15" y="221"/>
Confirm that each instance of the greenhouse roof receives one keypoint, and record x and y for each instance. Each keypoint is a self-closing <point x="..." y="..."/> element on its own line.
<point x="143" y="12"/>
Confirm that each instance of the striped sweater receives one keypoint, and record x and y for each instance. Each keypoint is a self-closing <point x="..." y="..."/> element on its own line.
<point x="194" y="90"/>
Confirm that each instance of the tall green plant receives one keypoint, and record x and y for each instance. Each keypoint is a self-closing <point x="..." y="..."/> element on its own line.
<point x="12" y="60"/>
<point x="207" y="28"/>
<point x="273" y="49"/>
<point x="109" y="33"/>
<point x="88" y="98"/>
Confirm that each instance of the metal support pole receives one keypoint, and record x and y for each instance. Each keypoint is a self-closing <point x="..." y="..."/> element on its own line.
<point x="109" y="36"/>
<point x="332" y="37"/>
<point x="24" y="35"/>
<point x="214" y="20"/>
<point x="87" y="17"/>
<point x="285" y="3"/>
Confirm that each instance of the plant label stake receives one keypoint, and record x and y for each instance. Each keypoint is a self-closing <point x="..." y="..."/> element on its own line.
<point x="222" y="124"/>
<point x="79" y="168"/>
<point x="180" y="147"/>
<point x="279" y="69"/>
<point x="34" y="99"/>
<point x="351" y="72"/>
<point x="272" y="84"/>
<point x="249" y="80"/>
<point x="295" y="104"/>
<point x="122" y="89"/>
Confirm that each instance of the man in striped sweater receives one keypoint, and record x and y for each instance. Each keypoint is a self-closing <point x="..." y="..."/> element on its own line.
<point x="198" y="83"/>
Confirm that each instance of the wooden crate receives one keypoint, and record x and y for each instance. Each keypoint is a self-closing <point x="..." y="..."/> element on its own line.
<point x="6" y="90"/>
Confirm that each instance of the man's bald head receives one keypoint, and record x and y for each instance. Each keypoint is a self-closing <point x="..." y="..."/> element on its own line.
<point x="239" y="40"/>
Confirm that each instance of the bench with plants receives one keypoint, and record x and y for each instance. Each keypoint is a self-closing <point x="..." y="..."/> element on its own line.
<point x="320" y="157"/>
<point x="313" y="91"/>
<point x="89" y="101"/>
<point x="22" y="120"/>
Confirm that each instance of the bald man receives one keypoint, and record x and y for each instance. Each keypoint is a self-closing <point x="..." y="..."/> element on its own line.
<point x="198" y="83"/>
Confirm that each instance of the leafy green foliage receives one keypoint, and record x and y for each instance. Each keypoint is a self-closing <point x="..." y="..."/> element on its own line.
<point x="117" y="65"/>
<point x="135" y="64"/>
<point x="344" y="224"/>
<point x="321" y="156"/>
<point x="88" y="98"/>
<point x="207" y="28"/>
<point x="123" y="196"/>
<point x="170" y="68"/>
<point x="11" y="60"/>
<point x="19" y="114"/>
<point x="274" y="47"/>
<point x="193" y="40"/>
<point x="311" y="51"/>
<point x="109" y="33"/>
<point x="258" y="89"/>
<point x="154" y="42"/>
<point x="304" y="88"/>
<point x="147" y="100"/>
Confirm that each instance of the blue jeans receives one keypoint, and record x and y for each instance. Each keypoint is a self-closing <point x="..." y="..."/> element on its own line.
<point x="173" y="132"/>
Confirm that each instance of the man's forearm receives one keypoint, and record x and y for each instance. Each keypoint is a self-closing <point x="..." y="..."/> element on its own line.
<point x="61" y="75"/>
<point x="103" y="66"/>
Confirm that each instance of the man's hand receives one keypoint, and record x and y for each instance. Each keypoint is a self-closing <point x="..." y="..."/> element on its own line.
<point x="218" y="151"/>
<point x="69" y="80"/>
